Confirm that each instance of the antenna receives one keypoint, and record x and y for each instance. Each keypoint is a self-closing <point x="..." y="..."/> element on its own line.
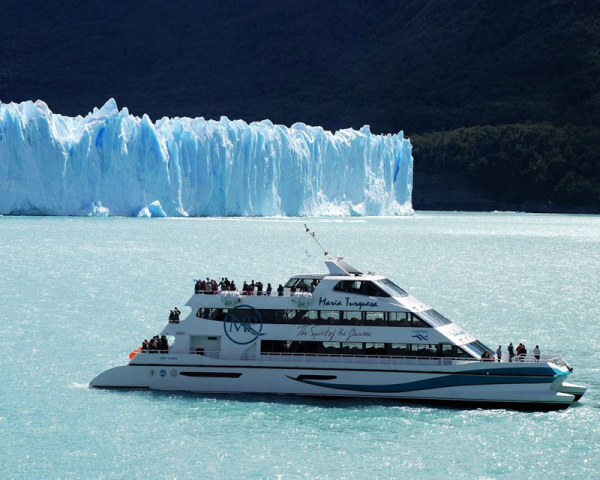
<point x="312" y="234"/>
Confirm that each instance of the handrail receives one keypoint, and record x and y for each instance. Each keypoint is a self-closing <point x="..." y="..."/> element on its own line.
<point x="255" y="293"/>
<point x="556" y="359"/>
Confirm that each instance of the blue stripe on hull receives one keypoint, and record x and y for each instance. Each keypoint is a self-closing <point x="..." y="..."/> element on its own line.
<point x="453" y="380"/>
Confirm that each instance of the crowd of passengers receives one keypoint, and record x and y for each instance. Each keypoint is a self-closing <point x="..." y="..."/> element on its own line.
<point x="211" y="287"/>
<point x="156" y="345"/>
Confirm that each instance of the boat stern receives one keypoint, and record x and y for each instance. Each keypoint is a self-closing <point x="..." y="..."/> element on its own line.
<point x="124" y="376"/>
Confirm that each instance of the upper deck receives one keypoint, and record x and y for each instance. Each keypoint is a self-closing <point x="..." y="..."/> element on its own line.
<point x="343" y="288"/>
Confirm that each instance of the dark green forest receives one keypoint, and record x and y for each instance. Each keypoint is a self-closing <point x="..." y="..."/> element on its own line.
<point x="500" y="98"/>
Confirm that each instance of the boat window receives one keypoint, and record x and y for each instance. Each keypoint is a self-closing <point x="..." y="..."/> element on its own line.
<point x="418" y="350"/>
<point x="399" y="349"/>
<point x="322" y="317"/>
<point x="301" y="316"/>
<point x="330" y="315"/>
<point x="353" y="348"/>
<point x="433" y="318"/>
<point x="479" y="347"/>
<point x="399" y="319"/>
<point x="353" y="318"/>
<point x="447" y="350"/>
<point x="375" y="349"/>
<point x="393" y="287"/>
<point x="331" y="347"/>
<point x="375" y="318"/>
<point x="416" y="322"/>
<point x="360" y="288"/>
<point x="211" y="313"/>
<point x="361" y="349"/>
<point x="373" y="290"/>
<point x="301" y="282"/>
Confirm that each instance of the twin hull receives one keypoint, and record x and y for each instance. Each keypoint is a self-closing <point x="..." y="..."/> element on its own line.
<point x="486" y="384"/>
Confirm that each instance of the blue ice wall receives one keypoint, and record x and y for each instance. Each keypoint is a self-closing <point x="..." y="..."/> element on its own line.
<point x="111" y="162"/>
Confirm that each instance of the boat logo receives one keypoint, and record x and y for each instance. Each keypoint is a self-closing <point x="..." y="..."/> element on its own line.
<point x="162" y="373"/>
<point x="421" y="337"/>
<point x="152" y="372"/>
<point x="244" y="326"/>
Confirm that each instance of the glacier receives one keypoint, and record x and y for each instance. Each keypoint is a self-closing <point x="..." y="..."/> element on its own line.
<point x="113" y="163"/>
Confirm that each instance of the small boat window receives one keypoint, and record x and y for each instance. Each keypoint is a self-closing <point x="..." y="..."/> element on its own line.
<point x="352" y="348"/>
<point x="375" y="318"/>
<point x="375" y="349"/>
<point x="406" y="319"/>
<point x="400" y="349"/>
<point x="331" y="347"/>
<point x="400" y="319"/>
<point x="353" y="318"/>
<point x="397" y="291"/>
<point x="211" y="313"/>
<point x="330" y="315"/>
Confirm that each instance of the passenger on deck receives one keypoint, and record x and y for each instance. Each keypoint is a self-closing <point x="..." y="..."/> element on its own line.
<point x="313" y="285"/>
<point x="511" y="352"/>
<point x="523" y="354"/>
<point x="269" y="289"/>
<point x="145" y="345"/>
<point x="536" y="353"/>
<point x="245" y="288"/>
<point x="280" y="290"/>
<point x="232" y="286"/>
<point x="293" y="290"/>
<point x="251" y="288"/>
<point x="499" y="353"/>
<point x="177" y="312"/>
<point x="259" y="288"/>
<point x="198" y="286"/>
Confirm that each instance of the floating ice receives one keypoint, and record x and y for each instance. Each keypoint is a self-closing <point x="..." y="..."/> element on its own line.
<point x="97" y="210"/>
<point x="111" y="161"/>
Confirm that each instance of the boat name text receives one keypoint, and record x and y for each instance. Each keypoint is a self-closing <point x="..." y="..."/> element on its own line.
<point x="323" y="302"/>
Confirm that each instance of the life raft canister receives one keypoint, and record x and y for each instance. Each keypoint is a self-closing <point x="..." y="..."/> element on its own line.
<point x="134" y="353"/>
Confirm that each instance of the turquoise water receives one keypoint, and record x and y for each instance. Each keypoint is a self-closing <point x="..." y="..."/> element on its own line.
<point x="78" y="294"/>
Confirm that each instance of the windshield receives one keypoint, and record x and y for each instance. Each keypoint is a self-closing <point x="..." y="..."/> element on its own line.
<point x="393" y="287"/>
<point x="479" y="347"/>
<point x="434" y="318"/>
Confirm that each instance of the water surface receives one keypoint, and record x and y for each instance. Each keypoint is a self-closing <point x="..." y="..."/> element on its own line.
<point x="77" y="294"/>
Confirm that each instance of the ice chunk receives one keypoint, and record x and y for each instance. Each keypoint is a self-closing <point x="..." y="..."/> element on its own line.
<point x="52" y="164"/>
<point x="97" y="210"/>
<point x="156" y="209"/>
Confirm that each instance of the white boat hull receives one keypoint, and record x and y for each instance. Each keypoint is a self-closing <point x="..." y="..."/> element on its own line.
<point x="472" y="387"/>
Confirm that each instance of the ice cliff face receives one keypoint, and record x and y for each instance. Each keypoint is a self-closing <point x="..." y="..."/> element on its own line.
<point x="111" y="162"/>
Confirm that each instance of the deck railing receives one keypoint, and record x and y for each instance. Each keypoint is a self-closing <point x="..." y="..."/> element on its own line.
<point x="556" y="359"/>
<point x="236" y="293"/>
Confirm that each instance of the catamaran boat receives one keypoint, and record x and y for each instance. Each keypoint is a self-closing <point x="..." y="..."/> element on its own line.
<point x="343" y="333"/>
